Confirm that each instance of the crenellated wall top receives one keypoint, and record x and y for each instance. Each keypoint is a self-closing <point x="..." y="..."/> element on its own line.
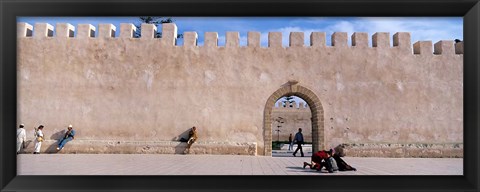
<point x="359" y="40"/>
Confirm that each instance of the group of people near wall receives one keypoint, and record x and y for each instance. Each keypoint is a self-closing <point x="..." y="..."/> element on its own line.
<point x="70" y="135"/>
<point x="330" y="159"/>
<point x="40" y="137"/>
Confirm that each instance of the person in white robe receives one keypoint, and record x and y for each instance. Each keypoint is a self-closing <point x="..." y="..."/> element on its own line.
<point x="38" y="139"/>
<point x="21" y="137"/>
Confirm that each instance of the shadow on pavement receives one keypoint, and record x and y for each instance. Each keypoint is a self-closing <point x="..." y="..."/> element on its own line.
<point x="307" y="169"/>
<point x="299" y="168"/>
<point x="56" y="136"/>
<point x="180" y="148"/>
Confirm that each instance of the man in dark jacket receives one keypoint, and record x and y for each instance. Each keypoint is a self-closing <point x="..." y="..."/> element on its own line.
<point x="299" y="140"/>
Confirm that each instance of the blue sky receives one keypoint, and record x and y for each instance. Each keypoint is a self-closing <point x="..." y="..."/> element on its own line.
<point x="421" y="28"/>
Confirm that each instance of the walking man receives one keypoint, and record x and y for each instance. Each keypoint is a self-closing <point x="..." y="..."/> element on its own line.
<point x="69" y="135"/>
<point x="21" y="138"/>
<point x="299" y="140"/>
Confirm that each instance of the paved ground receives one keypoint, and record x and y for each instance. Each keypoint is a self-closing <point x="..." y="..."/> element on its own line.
<point x="280" y="164"/>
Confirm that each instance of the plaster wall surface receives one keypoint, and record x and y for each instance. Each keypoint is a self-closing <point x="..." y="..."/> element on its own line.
<point x="149" y="89"/>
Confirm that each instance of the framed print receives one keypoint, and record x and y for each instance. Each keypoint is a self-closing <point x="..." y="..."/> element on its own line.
<point x="156" y="105"/>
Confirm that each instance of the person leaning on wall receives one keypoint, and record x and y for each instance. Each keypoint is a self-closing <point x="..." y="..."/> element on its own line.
<point x="342" y="165"/>
<point x="69" y="135"/>
<point x="192" y="137"/>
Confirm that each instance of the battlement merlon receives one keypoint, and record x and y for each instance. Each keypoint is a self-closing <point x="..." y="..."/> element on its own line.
<point x="169" y="34"/>
<point x="24" y="30"/>
<point x="190" y="39"/>
<point x="85" y="31"/>
<point x="148" y="31"/>
<point x="232" y="39"/>
<point x="380" y="40"/>
<point x="42" y="30"/>
<point x="106" y="30"/>
<point x="64" y="30"/>
<point x="127" y="30"/>
<point x="360" y="39"/>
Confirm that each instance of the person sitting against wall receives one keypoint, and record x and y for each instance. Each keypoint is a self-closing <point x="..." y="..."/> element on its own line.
<point x="342" y="165"/>
<point x="192" y="137"/>
<point x="69" y="135"/>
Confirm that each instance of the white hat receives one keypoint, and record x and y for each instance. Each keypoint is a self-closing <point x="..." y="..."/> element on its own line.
<point x="70" y="126"/>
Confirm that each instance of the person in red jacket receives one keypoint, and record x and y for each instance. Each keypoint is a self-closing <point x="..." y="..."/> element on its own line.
<point x="318" y="160"/>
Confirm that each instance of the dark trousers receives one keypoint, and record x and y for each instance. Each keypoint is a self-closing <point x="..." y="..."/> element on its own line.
<point x="299" y="146"/>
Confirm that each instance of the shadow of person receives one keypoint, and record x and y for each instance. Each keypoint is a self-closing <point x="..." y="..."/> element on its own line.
<point x="27" y="143"/>
<point x="57" y="137"/>
<point x="306" y="169"/>
<point x="180" y="148"/>
<point x="299" y="168"/>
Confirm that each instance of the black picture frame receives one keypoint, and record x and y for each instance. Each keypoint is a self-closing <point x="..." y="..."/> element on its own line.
<point x="9" y="10"/>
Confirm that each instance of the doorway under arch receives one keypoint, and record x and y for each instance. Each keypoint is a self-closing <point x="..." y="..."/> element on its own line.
<point x="290" y="89"/>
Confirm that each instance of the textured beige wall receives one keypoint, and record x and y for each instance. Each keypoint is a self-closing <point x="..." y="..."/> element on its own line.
<point x="146" y="89"/>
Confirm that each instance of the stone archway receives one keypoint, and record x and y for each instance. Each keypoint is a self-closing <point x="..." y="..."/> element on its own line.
<point x="289" y="89"/>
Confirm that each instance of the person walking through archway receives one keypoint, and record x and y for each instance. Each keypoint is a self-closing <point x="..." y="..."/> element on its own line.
<point x="290" y="142"/>
<point x="299" y="141"/>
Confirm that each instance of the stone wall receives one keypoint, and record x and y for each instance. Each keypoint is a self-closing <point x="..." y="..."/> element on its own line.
<point x="293" y="116"/>
<point x="146" y="89"/>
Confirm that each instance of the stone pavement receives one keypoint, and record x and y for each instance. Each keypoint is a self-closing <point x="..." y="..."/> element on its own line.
<point x="159" y="164"/>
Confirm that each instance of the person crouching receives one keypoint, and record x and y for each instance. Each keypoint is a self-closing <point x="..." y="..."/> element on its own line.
<point x="322" y="159"/>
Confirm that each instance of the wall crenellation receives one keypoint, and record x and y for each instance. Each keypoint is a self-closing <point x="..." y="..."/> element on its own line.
<point x="190" y="39"/>
<point x="300" y="105"/>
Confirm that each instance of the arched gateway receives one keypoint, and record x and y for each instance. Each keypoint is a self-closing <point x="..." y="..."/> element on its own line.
<point x="289" y="89"/>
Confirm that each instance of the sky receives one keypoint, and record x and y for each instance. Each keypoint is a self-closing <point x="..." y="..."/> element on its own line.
<point x="421" y="28"/>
